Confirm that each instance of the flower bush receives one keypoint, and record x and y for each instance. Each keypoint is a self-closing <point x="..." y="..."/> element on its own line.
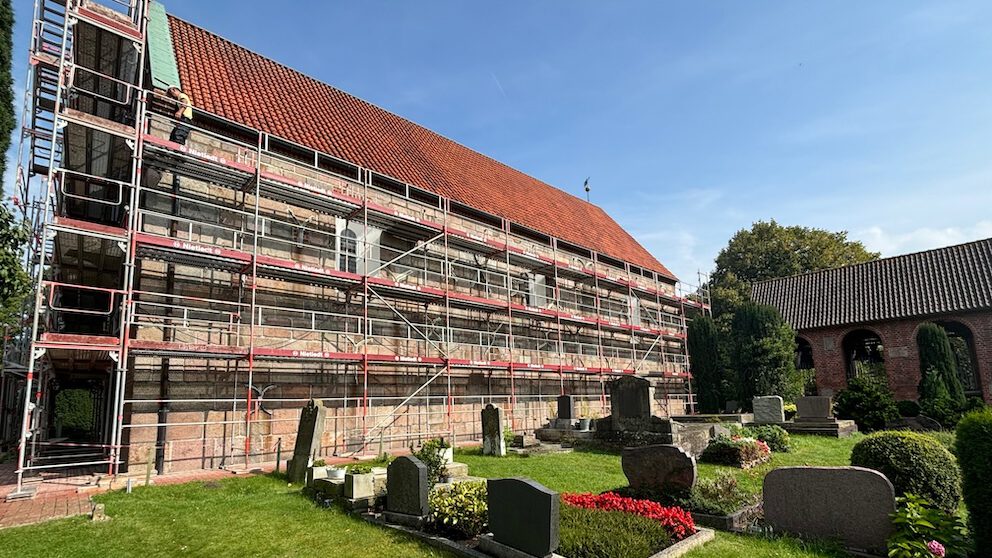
<point x="775" y="436"/>
<point x="923" y="530"/>
<point x="460" y="511"/>
<point x="736" y="451"/>
<point x="676" y="521"/>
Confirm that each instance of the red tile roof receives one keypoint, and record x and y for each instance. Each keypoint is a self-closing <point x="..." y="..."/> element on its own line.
<point x="240" y="85"/>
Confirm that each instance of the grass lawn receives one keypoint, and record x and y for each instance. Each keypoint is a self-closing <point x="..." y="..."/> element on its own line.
<point x="738" y="546"/>
<point x="238" y="517"/>
<point x="587" y="471"/>
<point x="262" y="516"/>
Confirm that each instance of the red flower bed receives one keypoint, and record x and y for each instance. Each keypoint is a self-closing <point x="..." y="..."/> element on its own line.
<point x="677" y="521"/>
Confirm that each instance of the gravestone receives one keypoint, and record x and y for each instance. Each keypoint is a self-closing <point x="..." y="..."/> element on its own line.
<point x="406" y="491"/>
<point x="814" y="408"/>
<point x="768" y="409"/>
<point x="566" y="407"/>
<point x="308" y="436"/>
<point x="493" y="442"/>
<point x="664" y="468"/>
<point x="630" y="402"/>
<point x="732" y="407"/>
<point x="523" y="515"/>
<point x="852" y="504"/>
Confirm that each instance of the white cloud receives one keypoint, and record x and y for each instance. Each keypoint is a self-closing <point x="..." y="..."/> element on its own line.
<point x="891" y="243"/>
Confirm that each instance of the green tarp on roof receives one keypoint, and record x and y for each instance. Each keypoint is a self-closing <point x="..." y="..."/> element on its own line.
<point x="161" y="55"/>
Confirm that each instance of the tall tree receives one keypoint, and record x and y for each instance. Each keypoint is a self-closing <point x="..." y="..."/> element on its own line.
<point x="768" y="251"/>
<point x="703" y="342"/>
<point x="13" y="278"/>
<point x="7" y="120"/>
<point x="938" y="367"/>
<point x="763" y="353"/>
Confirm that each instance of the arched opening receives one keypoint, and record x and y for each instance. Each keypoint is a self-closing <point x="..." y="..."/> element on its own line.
<point x="805" y="365"/>
<point x="864" y="354"/>
<point x="963" y="345"/>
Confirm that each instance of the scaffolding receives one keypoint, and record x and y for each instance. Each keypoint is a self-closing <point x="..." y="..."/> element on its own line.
<point x="204" y="292"/>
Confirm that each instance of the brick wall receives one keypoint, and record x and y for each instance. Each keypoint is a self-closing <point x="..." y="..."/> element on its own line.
<point x="902" y="363"/>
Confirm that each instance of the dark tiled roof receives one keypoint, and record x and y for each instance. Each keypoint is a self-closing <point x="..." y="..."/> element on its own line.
<point x="240" y="85"/>
<point x="953" y="279"/>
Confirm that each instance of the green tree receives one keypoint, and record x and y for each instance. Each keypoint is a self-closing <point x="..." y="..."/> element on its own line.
<point x="703" y="342"/>
<point x="938" y="366"/>
<point x="7" y="120"/>
<point x="14" y="280"/>
<point x="769" y="251"/>
<point x="763" y="353"/>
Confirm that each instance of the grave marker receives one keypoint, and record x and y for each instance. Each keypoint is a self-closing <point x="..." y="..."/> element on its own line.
<point x="523" y="515"/>
<point x="493" y="442"/>
<point x="308" y="436"/>
<point x="852" y="504"/>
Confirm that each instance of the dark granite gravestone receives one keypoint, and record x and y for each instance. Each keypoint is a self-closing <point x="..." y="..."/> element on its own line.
<point x="406" y="490"/>
<point x="852" y="504"/>
<point x="566" y="407"/>
<point x="523" y="515"/>
<point x="663" y="468"/>
<point x="814" y="409"/>
<point x="308" y="435"/>
<point x="630" y="402"/>
<point x="493" y="442"/>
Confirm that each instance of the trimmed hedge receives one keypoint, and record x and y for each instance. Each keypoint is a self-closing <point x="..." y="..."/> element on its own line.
<point x="974" y="448"/>
<point x="915" y="463"/>
<point x="593" y="533"/>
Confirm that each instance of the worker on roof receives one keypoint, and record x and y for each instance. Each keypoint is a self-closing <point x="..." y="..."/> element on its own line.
<point x="184" y="114"/>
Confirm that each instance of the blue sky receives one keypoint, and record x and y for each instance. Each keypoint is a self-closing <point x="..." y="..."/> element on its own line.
<point x="692" y="119"/>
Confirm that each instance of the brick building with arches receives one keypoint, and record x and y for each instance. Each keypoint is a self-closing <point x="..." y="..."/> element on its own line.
<point x="864" y="317"/>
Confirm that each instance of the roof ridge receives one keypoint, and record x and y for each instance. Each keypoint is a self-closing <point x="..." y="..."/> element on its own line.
<point x="874" y="262"/>
<point x="361" y="100"/>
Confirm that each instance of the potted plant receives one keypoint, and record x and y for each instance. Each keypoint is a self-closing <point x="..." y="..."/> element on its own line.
<point x="584" y="418"/>
<point x="359" y="482"/>
<point x="318" y="470"/>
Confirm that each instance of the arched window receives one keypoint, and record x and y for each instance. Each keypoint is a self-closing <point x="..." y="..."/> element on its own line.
<point x="963" y="345"/>
<point x="805" y="365"/>
<point x="348" y="254"/>
<point x="804" y="354"/>
<point x="864" y="354"/>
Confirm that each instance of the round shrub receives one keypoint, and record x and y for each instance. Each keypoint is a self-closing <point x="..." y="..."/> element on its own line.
<point x="915" y="463"/>
<point x="974" y="447"/>
<point x="868" y="402"/>
<point x="908" y="408"/>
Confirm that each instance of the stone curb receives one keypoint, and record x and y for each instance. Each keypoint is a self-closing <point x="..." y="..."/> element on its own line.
<point x="433" y="540"/>
<point x="702" y="536"/>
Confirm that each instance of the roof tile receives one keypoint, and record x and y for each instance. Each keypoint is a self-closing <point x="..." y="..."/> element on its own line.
<point x="240" y="85"/>
<point x="952" y="279"/>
